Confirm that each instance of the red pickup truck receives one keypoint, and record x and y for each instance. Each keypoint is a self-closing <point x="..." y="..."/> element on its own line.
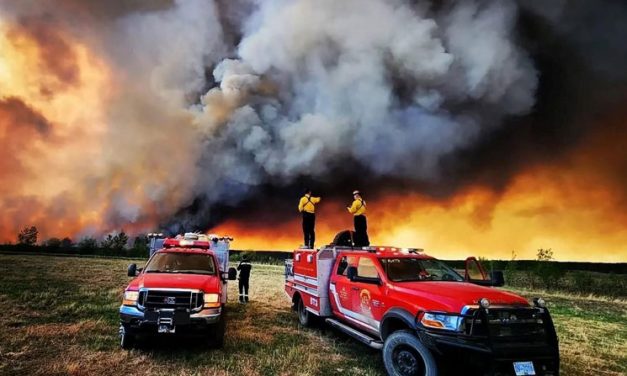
<point x="181" y="290"/>
<point x="425" y="316"/>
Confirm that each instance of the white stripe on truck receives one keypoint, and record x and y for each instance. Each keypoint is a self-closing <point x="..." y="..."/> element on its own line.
<point x="354" y="316"/>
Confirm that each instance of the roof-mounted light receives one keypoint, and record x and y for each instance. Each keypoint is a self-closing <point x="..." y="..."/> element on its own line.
<point x="539" y="302"/>
<point x="412" y="250"/>
<point x="185" y="243"/>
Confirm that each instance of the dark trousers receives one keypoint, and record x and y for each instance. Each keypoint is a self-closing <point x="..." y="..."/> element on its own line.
<point x="361" y="231"/>
<point x="243" y="290"/>
<point x="309" y="224"/>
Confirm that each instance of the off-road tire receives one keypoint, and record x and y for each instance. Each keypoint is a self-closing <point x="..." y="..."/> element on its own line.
<point x="304" y="316"/>
<point x="127" y="339"/>
<point x="216" y="333"/>
<point x="405" y="355"/>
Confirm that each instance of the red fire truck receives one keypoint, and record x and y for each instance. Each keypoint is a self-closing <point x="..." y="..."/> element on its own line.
<point x="420" y="312"/>
<point x="181" y="290"/>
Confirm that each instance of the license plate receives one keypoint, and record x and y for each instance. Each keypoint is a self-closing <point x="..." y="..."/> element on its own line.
<point x="163" y="317"/>
<point x="524" y="368"/>
<point x="166" y="329"/>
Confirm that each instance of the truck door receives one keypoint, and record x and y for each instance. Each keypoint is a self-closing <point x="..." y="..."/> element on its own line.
<point x="367" y="293"/>
<point x="340" y="285"/>
<point x="475" y="273"/>
<point x="474" y="270"/>
<point x="221" y="249"/>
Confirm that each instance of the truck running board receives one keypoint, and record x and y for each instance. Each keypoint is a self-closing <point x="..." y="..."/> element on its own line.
<point x="361" y="337"/>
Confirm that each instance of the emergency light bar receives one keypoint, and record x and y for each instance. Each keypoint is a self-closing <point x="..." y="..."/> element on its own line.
<point x="194" y="240"/>
<point x="185" y="243"/>
<point x="393" y="249"/>
<point x="216" y="238"/>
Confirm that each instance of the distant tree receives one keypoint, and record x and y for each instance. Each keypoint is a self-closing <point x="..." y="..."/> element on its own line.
<point x="120" y="241"/>
<point x="53" y="243"/>
<point x="28" y="236"/>
<point x="117" y="242"/>
<point x="107" y="242"/>
<point x="511" y="268"/>
<point x="88" y="243"/>
<point x="66" y="243"/>
<point x="548" y="272"/>
<point x="544" y="254"/>
<point x="140" y="243"/>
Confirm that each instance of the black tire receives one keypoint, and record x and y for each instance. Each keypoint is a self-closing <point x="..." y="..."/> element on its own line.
<point x="127" y="339"/>
<point x="216" y="334"/>
<point x="304" y="316"/>
<point x="405" y="355"/>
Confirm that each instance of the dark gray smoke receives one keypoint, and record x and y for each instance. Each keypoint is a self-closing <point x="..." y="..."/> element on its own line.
<point x="217" y="101"/>
<point x="386" y="85"/>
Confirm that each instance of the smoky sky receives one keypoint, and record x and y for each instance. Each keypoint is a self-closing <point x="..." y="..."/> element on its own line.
<point x="577" y="51"/>
<point x="266" y="98"/>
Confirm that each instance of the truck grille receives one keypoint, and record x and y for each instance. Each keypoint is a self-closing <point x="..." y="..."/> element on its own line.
<point x="171" y="299"/>
<point x="521" y="323"/>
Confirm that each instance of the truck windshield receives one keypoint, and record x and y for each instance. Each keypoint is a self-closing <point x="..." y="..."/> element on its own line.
<point x="414" y="269"/>
<point x="188" y="263"/>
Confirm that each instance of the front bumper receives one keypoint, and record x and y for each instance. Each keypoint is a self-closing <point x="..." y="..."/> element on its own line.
<point x="492" y="354"/>
<point x="481" y="358"/>
<point x="137" y="320"/>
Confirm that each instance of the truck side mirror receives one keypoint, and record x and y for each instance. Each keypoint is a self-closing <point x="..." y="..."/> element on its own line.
<point x="351" y="273"/>
<point x="496" y="278"/>
<point x="132" y="270"/>
<point x="232" y="274"/>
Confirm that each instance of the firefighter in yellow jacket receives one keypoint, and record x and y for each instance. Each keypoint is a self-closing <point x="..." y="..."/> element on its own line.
<point x="358" y="210"/>
<point x="307" y="206"/>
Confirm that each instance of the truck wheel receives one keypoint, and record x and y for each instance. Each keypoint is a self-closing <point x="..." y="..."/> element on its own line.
<point x="127" y="339"/>
<point x="405" y="355"/>
<point x="304" y="316"/>
<point x="216" y="334"/>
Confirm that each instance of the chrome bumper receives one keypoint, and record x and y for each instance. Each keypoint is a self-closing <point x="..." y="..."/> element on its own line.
<point x="132" y="315"/>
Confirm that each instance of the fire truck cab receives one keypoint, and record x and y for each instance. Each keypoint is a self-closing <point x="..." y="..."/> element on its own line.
<point x="422" y="313"/>
<point x="181" y="290"/>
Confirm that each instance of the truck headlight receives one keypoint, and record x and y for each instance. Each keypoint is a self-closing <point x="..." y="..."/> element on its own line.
<point x="212" y="300"/>
<point x="442" y="321"/>
<point x="130" y="298"/>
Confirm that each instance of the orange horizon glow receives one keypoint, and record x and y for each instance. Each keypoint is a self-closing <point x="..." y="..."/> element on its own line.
<point x="570" y="206"/>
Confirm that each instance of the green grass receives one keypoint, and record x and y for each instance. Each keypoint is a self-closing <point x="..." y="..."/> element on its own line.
<point x="60" y="317"/>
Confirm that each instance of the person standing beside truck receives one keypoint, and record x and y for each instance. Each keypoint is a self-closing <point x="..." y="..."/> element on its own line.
<point x="358" y="210"/>
<point x="244" y="268"/>
<point x="307" y="206"/>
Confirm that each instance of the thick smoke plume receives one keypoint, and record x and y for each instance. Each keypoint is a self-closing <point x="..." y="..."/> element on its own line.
<point x="143" y="114"/>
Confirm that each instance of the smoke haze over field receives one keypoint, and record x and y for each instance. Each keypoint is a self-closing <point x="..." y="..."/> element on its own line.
<point x="181" y="115"/>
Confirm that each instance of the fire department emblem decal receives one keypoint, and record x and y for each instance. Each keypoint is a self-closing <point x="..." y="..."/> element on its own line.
<point x="364" y="297"/>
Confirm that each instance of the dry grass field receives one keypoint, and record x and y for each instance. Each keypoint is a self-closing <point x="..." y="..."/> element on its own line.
<point x="60" y="317"/>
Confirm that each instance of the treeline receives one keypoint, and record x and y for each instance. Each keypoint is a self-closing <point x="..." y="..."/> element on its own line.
<point x="118" y="244"/>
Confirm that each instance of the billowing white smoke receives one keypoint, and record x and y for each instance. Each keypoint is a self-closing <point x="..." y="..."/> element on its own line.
<point x="311" y="86"/>
<point x="381" y="82"/>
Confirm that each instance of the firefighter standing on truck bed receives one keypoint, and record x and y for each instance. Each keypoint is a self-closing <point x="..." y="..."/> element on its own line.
<point x="358" y="210"/>
<point x="307" y="206"/>
<point x="244" y="268"/>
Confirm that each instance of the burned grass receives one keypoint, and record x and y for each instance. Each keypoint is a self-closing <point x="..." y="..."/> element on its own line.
<point x="60" y="317"/>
